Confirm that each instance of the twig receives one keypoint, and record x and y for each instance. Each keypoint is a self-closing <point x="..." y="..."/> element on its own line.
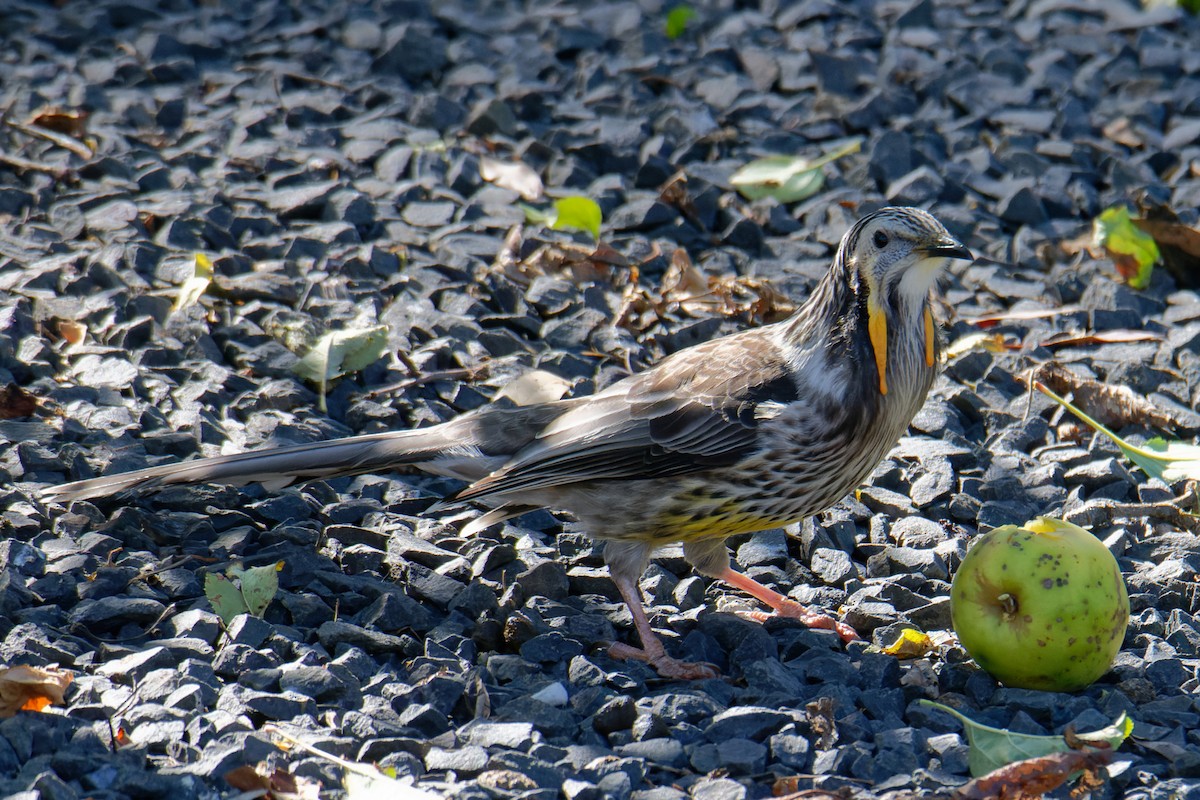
<point x="460" y="373"/>
<point x="34" y="166"/>
<point x="1100" y="512"/>
<point x="61" y="139"/>
<point x="350" y="766"/>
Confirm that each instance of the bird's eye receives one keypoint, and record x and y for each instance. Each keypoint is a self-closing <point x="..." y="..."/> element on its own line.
<point x="880" y="239"/>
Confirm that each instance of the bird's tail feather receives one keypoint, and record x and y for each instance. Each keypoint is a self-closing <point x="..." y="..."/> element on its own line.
<point x="275" y="468"/>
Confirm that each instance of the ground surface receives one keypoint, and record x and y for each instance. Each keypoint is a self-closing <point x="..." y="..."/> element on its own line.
<point x="327" y="156"/>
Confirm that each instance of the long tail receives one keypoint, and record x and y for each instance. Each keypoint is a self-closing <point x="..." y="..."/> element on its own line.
<point x="276" y="468"/>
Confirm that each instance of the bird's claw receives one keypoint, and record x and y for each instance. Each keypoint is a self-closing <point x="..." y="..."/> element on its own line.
<point x="790" y="609"/>
<point x="666" y="665"/>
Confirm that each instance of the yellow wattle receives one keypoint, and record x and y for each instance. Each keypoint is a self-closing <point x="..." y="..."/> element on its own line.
<point x="929" y="337"/>
<point x="877" y="330"/>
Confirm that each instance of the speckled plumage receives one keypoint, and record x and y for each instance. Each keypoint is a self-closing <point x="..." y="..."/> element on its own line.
<point x="747" y="432"/>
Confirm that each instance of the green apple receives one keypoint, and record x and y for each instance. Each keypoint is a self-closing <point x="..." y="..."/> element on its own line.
<point x="1040" y="607"/>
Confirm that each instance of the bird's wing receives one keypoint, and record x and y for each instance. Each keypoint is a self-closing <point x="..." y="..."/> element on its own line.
<point x="699" y="409"/>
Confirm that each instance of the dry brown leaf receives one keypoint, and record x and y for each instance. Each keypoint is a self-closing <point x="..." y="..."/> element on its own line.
<point x="505" y="780"/>
<point x="275" y="782"/>
<point x="1032" y="778"/>
<point x="686" y="287"/>
<point x="1175" y="234"/>
<point x="988" y="320"/>
<point x="789" y="789"/>
<point x="15" y="402"/>
<point x="25" y="688"/>
<point x="1111" y="406"/>
<point x="1178" y="244"/>
<point x="1101" y="337"/>
<point x="71" y="331"/>
<point x="822" y="723"/>
<point x="71" y="123"/>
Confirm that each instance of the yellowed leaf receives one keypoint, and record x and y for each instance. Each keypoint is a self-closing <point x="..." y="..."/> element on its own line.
<point x="911" y="643"/>
<point x="25" y="688"/>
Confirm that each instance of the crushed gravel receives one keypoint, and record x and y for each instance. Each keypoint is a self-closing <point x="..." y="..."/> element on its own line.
<point x="327" y="156"/>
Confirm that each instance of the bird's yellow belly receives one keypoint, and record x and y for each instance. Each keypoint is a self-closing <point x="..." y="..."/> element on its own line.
<point x="729" y="518"/>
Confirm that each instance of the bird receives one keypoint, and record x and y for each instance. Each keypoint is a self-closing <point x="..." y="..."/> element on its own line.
<point x="750" y="431"/>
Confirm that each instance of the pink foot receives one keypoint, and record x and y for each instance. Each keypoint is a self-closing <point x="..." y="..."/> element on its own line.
<point x="790" y="609"/>
<point x="666" y="666"/>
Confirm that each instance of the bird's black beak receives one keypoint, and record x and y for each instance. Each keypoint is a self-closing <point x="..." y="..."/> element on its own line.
<point x="950" y="249"/>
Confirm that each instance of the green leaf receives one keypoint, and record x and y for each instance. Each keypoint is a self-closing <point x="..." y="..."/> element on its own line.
<point x="226" y="599"/>
<point x="192" y="288"/>
<point x="259" y="586"/>
<point x="537" y="216"/>
<point x="1183" y="459"/>
<point x="577" y="214"/>
<point x="787" y="178"/>
<point x="992" y="748"/>
<point x="572" y="213"/>
<point x="678" y="19"/>
<point x="1133" y="250"/>
<point x="1169" y="461"/>
<point x="339" y="353"/>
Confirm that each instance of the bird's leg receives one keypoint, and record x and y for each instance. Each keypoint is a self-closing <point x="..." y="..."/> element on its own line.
<point x="626" y="562"/>
<point x="652" y="650"/>
<point x="711" y="557"/>
<point x="784" y="606"/>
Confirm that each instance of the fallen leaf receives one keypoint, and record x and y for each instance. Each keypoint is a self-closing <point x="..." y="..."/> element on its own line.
<point x="339" y="353"/>
<point x="678" y="19"/>
<point x="788" y="788"/>
<point x="224" y="596"/>
<point x="1169" y="461"/>
<point x="535" y="386"/>
<point x="71" y="123"/>
<point x="992" y="748"/>
<point x="572" y="213"/>
<point x="820" y="720"/>
<point x="242" y="591"/>
<point x="1178" y="243"/>
<point x="1175" y="234"/>
<point x="259" y="586"/>
<point x="15" y="402"/>
<point x="272" y="782"/>
<point x="191" y="289"/>
<point x="577" y="214"/>
<point x="1100" y="337"/>
<point x="71" y="331"/>
<point x="988" y="320"/>
<point x="1132" y="251"/>
<point x="991" y="342"/>
<point x="688" y="288"/>
<point x="787" y="178"/>
<point x="26" y="688"/>
<point x="911" y="643"/>
<point x="1032" y="778"/>
<point x="517" y="176"/>
<point x="1114" y="406"/>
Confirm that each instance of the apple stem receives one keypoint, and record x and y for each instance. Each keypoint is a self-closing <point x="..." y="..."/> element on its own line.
<point x="1008" y="604"/>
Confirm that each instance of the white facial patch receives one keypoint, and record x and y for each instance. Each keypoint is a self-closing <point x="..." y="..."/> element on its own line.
<point x="918" y="279"/>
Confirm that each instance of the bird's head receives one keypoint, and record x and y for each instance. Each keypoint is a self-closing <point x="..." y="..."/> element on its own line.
<point x="892" y="258"/>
